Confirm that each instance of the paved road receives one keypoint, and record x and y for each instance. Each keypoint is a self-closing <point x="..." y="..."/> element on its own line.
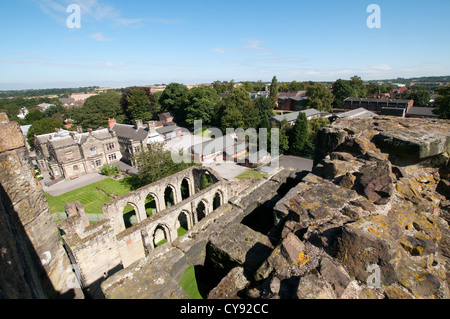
<point x="67" y="186"/>
<point x="228" y="171"/>
<point x="295" y="162"/>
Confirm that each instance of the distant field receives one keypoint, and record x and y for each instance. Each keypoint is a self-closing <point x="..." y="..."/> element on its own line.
<point x="90" y="196"/>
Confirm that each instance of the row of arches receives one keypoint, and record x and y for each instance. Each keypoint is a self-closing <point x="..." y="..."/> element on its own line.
<point x="153" y="205"/>
<point x="163" y="233"/>
<point x="185" y="222"/>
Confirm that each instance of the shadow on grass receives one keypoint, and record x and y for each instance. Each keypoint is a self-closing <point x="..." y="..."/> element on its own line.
<point x="133" y="182"/>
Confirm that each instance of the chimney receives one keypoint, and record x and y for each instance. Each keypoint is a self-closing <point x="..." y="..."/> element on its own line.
<point x="74" y="135"/>
<point x="138" y="124"/>
<point x="151" y="126"/>
<point x="79" y="129"/>
<point x="111" y="123"/>
<point x="90" y="131"/>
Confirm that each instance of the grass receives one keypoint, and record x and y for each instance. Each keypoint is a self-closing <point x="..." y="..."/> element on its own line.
<point x="91" y="198"/>
<point x="189" y="283"/>
<point x="251" y="174"/>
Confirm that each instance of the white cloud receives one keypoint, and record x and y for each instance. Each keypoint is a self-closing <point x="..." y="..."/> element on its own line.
<point x="100" y="37"/>
<point x="253" y="44"/>
<point x="91" y="11"/>
<point x="219" y="50"/>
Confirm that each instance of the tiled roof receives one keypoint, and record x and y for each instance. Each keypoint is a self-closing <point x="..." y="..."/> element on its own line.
<point x="220" y="144"/>
<point x="129" y="132"/>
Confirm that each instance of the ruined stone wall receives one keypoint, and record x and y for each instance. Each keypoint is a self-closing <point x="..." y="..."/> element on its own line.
<point x="101" y="249"/>
<point x="34" y="262"/>
<point x="370" y="222"/>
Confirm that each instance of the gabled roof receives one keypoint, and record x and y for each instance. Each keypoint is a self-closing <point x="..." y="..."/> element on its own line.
<point x="130" y="132"/>
<point x="422" y="111"/>
<point x="358" y="113"/>
<point x="168" y="129"/>
<point x="220" y="144"/>
<point x="290" y="117"/>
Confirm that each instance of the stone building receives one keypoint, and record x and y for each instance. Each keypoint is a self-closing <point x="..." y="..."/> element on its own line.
<point x="132" y="138"/>
<point x="70" y="154"/>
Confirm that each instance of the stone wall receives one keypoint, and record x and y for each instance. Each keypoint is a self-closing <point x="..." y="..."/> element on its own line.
<point x="101" y="249"/>
<point x="33" y="261"/>
<point x="203" y="246"/>
<point x="370" y="222"/>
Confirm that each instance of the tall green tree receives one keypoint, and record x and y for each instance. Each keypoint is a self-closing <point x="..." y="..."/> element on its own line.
<point x="232" y="118"/>
<point x="421" y="97"/>
<point x="98" y="109"/>
<point x="319" y="98"/>
<point x="358" y="84"/>
<point x="175" y="99"/>
<point x="274" y="91"/>
<point x="239" y="111"/>
<point x="43" y="126"/>
<point x="137" y="105"/>
<point x="442" y="103"/>
<point x="265" y="109"/>
<point x="342" y="90"/>
<point x="201" y="104"/>
<point x="156" y="163"/>
<point x="284" y="136"/>
<point x="299" y="137"/>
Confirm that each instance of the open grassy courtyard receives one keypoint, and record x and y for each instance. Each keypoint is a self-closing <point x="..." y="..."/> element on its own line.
<point x="93" y="196"/>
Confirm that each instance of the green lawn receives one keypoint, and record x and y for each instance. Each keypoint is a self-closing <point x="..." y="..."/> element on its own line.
<point x="91" y="198"/>
<point x="251" y="173"/>
<point x="189" y="283"/>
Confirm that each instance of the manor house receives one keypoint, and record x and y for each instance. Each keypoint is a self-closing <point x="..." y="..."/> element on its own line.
<point x="68" y="155"/>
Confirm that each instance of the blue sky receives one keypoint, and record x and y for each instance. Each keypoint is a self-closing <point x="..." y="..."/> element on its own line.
<point x="136" y="42"/>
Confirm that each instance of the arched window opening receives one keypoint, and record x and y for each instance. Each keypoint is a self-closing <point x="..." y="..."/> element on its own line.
<point x="185" y="193"/>
<point x="159" y="236"/>
<point x="169" y="197"/>
<point x="207" y="180"/>
<point x="201" y="211"/>
<point x="129" y="216"/>
<point x="150" y="205"/>
<point x="217" y="202"/>
<point x="183" y="225"/>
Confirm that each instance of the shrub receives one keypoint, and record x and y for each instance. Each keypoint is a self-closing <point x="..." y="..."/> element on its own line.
<point x="110" y="170"/>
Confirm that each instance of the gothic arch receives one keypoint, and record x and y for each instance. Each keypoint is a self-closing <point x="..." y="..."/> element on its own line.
<point x="130" y="217"/>
<point x="201" y="209"/>
<point x="159" y="234"/>
<point x="152" y="207"/>
<point x="170" y="196"/>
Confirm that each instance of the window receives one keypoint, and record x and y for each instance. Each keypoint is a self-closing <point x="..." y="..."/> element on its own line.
<point x="98" y="163"/>
<point x="112" y="157"/>
<point x="56" y="172"/>
<point x="93" y="151"/>
<point x="110" y="146"/>
<point x="75" y="168"/>
<point x="93" y="164"/>
<point x="136" y="149"/>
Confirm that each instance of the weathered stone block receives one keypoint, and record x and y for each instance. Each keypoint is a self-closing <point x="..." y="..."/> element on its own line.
<point x="375" y="182"/>
<point x="367" y="242"/>
<point x="11" y="137"/>
<point x="238" y="245"/>
<point x="230" y="286"/>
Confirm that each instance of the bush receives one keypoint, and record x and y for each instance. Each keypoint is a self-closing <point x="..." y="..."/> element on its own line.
<point x="110" y="170"/>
